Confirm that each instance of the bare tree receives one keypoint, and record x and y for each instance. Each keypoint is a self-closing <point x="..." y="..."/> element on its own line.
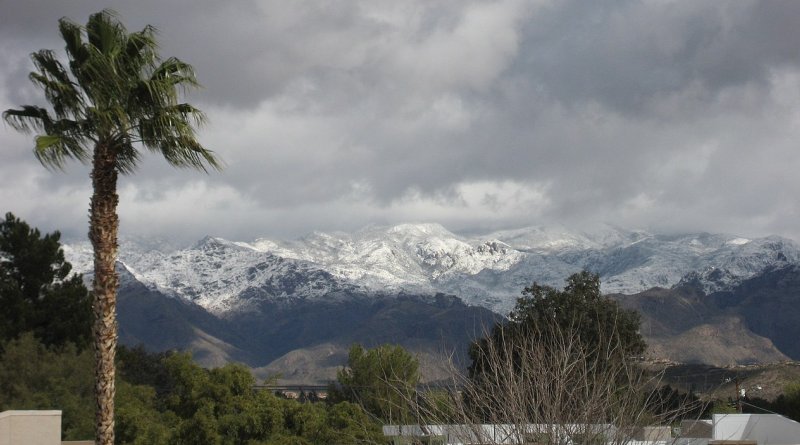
<point x="546" y="387"/>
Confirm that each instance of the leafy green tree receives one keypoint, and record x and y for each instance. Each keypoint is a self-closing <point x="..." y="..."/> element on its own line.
<point x="220" y="406"/>
<point x="217" y="406"/>
<point x="138" y="366"/>
<point x="348" y="423"/>
<point x="789" y="402"/>
<point x="600" y="321"/>
<point x="118" y="97"/>
<point x="139" y="418"/>
<point x="562" y="356"/>
<point x="604" y="329"/>
<point x="343" y="422"/>
<point x="382" y="380"/>
<point x="722" y="407"/>
<point x="33" y="376"/>
<point x="37" y="292"/>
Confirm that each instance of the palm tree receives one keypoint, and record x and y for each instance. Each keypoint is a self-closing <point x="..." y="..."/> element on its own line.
<point x="118" y="97"/>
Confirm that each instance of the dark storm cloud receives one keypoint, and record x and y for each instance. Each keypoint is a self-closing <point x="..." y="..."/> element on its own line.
<point x="225" y="41"/>
<point x="628" y="53"/>
<point x="331" y="115"/>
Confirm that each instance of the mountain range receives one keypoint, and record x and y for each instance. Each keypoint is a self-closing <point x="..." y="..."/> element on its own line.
<point x="259" y="300"/>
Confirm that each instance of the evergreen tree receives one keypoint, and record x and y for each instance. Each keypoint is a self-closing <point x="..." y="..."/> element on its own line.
<point x="604" y="329"/>
<point x="549" y="335"/>
<point x="37" y="292"/>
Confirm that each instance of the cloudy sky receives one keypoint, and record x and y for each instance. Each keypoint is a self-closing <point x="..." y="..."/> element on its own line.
<point x="663" y="115"/>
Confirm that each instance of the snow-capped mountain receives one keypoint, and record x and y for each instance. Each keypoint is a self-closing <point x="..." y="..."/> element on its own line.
<point x="487" y="270"/>
<point x="407" y="256"/>
<point x="220" y="275"/>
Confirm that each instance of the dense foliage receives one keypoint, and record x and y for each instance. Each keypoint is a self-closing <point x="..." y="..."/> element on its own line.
<point x="162" y="398"/>
<point x="787" y="404"/>
<point x="33" y="376"/>
<point x="37" y="293"/>
<point x="605" y="330"/>
<point x="168" y="399"/>
<point x="382" y="380"/>
<point x="562" y="356"/>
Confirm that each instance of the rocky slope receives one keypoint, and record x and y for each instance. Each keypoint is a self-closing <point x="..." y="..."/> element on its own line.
<point x="484" y="270"/>
<point x="303" y="341"/>
<point x="717" y="299"/>
<point x="754" y="321"/>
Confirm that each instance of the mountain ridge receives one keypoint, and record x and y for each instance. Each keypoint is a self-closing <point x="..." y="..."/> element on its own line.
<point x="484" y="270"/>
<point x="276" y="305"/>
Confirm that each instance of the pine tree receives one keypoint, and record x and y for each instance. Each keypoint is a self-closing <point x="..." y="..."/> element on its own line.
<point x="37" y="292"/>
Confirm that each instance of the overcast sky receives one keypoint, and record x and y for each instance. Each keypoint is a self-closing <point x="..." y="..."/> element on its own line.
<point x="669" y="116"/>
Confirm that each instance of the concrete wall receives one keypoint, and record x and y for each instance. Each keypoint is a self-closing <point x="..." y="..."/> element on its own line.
<point x="30" y="427"/>
<point x="697" y="428"/>
<point x="653" y="433"/>
<point x="769" y="429"/>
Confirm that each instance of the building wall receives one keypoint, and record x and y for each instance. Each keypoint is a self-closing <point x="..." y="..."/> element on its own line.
<point x="653" y="433"/>
<point x="30" y="427"/>
<point x="769" y="429"/>
<point x="697" y="428"/>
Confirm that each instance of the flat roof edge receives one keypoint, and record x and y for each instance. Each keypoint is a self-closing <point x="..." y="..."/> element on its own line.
<point x="13" y="413"/>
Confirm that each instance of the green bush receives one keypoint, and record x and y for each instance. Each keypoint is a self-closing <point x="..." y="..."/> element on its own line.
<point x="192" y="405"/>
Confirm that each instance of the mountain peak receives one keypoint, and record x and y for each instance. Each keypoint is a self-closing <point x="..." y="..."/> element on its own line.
<point x="207" y="240"/>
<point x="213" y="242"/>
<point x="488" y="270"/>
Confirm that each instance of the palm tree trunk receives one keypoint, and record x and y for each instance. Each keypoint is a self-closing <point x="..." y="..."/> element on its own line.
<point x="103" y="227"/>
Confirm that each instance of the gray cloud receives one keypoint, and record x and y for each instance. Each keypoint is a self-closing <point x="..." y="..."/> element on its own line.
<point x="669" y="115"/>
<point x="627" y="54"/>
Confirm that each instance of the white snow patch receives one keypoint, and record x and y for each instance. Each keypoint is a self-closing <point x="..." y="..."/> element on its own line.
<point x="488" y="270"/>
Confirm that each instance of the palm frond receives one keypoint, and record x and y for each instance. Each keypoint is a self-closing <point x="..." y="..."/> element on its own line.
<point x="58" y="140"/>
<point x="140" y="50"/>
<point x="171" y="133"/>
<point x="27" y="119"/>
<point x="188" y="153"/>
<point x="58" y="88"/>
<point x="72" y="33"/>
<point x="105" y="32"/>
<point x="117" y="92"/>
<point x="127" y="154"/>
<point x="52" y="151"/>
<point x="175" y="72"/>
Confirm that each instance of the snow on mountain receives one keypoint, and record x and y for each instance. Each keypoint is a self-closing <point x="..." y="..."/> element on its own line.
<point x="217" y="274"/>
<point x="554" y="239"/>
<point x="739" y="259"/>
<point x="488" y="270"/>
<point x="410" y="257"/>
